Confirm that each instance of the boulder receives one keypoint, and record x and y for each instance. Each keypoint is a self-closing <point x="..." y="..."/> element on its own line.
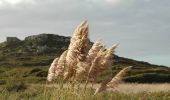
<point x="12" y="40"/>
<point x="42" y="74"/>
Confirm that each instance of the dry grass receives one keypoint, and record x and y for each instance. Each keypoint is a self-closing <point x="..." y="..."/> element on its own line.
<point x="138" y="88"/>
<point x="50" y="92"/>
<point x="124" y="87"/>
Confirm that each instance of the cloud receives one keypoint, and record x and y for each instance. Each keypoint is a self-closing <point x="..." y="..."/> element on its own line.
<point x="15" y="2"/>
<point x="1" y="3"/>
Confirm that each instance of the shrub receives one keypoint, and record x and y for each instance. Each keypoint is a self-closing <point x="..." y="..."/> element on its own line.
<point x="2" y="82"/>
<point x="149" y="78"/>
<point x="13" y="84"/>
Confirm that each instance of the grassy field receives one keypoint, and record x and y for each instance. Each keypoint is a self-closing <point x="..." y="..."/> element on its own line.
<point x="26" y="83"/>
<point x="77" y="92"/>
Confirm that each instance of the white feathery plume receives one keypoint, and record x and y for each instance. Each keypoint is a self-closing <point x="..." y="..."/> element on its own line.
<point x="102" y="86"/>
<point x="83" y="48"/>
<point x="102" y="61"/>
<point x="71" y="59"/>
<point x="61" y="64"/>
<point x="108" y="57"/>
<point x="94" y="50"/>
<point x="79" y="31"/>
<point x="110" y="51"/>
<point x="95" y="66"/>
<point x="51" y="71"/>
<point x="84" y="66"/>
<point x="81" y="70"/>
<point x="117" y="79"/>
<point x="73" y="53"/>
<point x="111" y="83"/>
<point x="77" y="48"/>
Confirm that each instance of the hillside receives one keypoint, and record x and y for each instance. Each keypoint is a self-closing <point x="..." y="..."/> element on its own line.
<point x="38" y="51"/>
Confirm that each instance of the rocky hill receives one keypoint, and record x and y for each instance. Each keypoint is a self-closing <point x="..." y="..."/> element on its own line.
<point x="37" y="44"/>
<point x="40" y="50"/>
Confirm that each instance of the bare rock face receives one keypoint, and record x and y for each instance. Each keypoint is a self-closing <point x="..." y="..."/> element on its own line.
<point x="46" y="40"/>
<point x="12" y="40"/>
<point x="45" y="43"/>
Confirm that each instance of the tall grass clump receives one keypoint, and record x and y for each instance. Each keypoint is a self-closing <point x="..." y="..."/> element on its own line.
<point x="79" y="63"/>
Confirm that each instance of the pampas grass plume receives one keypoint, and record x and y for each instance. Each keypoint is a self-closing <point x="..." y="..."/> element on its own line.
<point x="61" y="64"/>
<point x="111" y="83"/>
<point x="94" y="50"/>
<point x="118" y="78"/>
<point x="51" y="71"/>
<point x="84" y="66"/>
<point x="77" y="48"/>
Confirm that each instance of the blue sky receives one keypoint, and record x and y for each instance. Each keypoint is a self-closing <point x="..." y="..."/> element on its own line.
<point x="141" y="27"/>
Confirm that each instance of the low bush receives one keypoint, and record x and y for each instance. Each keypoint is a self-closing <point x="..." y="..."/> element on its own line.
<point x="148" y="78"/>
<point x="16" y="86"/>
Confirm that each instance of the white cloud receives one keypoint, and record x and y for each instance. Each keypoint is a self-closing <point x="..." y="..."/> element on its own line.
<point x="15" y="2"/>
<point x="1" y="2"/>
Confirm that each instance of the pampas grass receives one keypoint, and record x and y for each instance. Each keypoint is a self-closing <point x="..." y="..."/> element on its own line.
<point x="80" y="62"/>
<point x="51" y="71"/>
<point x="94" y="50"/>
<point x="112" y="83"/>
<point x="81" y="71"/>
<point x="83" y="67"/>
<point x="77" y="49"/>
<point x="59" y="70"/>
<point x="103" y="86"/>
<point x="102" y="61"/>
<point x="80" y="30"/>
<point x="117" y="79"/>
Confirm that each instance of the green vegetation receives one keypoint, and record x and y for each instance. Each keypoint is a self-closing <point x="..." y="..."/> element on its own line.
<point x="22" y="74"/>
<point x="148" y="78"/>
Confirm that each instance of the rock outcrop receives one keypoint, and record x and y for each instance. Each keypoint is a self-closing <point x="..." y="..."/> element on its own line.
<point x="45" y="43"/>
<point x="12" y="40"/>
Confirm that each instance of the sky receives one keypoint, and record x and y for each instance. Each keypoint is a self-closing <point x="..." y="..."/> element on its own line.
<point x="141" y="27"/>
